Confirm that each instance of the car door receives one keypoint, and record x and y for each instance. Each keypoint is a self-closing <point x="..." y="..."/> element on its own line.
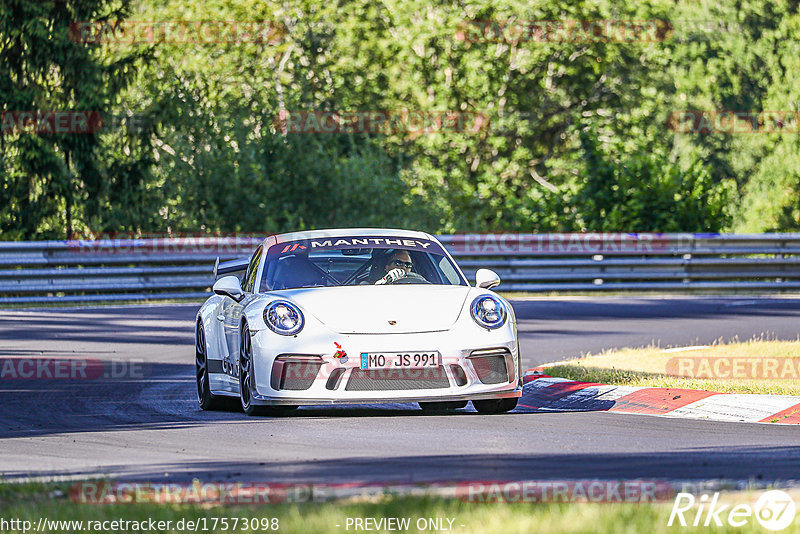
<point x="232" y="314"/>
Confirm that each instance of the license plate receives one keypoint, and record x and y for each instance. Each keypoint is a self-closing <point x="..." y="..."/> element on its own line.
<point x="400" y="360"/>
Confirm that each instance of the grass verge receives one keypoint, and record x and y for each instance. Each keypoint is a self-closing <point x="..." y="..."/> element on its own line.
<point x="754" y="366"/>
<point x="30" y="503"/>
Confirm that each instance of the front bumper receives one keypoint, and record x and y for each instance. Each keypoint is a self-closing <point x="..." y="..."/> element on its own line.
<point x="323" y="389"/>
<point x="276" y="401"/>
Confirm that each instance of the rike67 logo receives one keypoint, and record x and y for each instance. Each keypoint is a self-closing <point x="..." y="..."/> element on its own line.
<point x="774" y="510"/>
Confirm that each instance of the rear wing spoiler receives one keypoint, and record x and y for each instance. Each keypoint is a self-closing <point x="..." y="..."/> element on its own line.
<point x="228" y="267"/>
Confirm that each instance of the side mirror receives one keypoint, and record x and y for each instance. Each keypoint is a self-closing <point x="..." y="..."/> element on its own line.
<point x="487" y="279"/>
<point x="229" y="286"/>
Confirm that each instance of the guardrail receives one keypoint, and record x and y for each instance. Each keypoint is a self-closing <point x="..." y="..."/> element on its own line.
<point x="182" y="268"/>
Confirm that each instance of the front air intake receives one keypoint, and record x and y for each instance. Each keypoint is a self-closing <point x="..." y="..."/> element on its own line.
<point x="492" y="366"/>
<point x="397" y="379"/>
<point x="335" y="378"/>
<point x="459" y="375"/>
<point x="295" y="372"/>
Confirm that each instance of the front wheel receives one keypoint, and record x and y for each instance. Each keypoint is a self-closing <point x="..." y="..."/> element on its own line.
<point x="246" y="381"/>
<point x="206" y="399"/>
<point x="495" y="405"/>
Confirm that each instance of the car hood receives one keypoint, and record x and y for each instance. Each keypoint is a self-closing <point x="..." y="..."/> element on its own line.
<point x="372" y="309"/>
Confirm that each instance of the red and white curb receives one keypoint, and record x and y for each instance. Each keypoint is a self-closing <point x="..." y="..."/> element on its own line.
<point x="545" y="393"/>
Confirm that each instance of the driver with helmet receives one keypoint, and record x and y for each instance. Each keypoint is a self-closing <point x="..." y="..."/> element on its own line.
<point x="398" y="265"/>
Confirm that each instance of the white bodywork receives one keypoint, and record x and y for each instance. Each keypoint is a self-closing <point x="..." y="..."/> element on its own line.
<point x="360" y="319"/>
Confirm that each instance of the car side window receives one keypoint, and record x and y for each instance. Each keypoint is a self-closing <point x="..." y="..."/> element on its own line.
<point x="252" y="270"/>
<point x="448" y="270"/>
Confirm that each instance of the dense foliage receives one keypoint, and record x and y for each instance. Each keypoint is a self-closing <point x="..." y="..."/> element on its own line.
<point x="571" y="131"/>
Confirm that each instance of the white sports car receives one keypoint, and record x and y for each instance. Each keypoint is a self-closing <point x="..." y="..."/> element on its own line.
<point x="355" y="316"/>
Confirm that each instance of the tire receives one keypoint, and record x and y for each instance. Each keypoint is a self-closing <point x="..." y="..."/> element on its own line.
<point x="495" y="405"/>
<point x="440" y="407"/>
<point x="206" y="399"/>
<point x="246" y="382"/>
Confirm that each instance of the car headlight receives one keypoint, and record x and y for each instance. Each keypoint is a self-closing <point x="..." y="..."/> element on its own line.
<point x="488" y="311"/>
<point x="283" y="318"/>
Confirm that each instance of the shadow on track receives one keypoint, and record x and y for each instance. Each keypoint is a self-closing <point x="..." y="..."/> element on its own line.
<point x="720" y="463"/>
<point x="106" y="325"/>
<point x="164" y="398"/>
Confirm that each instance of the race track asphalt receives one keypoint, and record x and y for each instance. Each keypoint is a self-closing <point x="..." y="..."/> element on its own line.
<point x="149" y="427"/>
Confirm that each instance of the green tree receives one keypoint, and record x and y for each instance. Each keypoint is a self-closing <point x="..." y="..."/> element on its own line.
<point x="578" y="136"/>
<point x="643" y="191"/>
<point x="743" y="57"/>
<point x="54" y="182"/>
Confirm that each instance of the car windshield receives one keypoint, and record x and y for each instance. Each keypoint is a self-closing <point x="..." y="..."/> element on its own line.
<point x="357" y="261"/>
